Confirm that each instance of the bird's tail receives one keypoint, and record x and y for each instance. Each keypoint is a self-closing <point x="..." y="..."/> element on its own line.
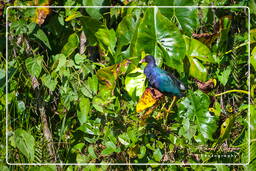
<point x="180" y="84"/>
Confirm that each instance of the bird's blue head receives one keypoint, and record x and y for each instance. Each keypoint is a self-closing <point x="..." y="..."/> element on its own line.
<point x="149" y="59"/>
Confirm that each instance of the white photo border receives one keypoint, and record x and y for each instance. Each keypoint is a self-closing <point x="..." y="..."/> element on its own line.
<point x="84" y="164"/>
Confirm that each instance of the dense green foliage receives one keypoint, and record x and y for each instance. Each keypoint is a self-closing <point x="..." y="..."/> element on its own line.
<point x="74" y="80"/>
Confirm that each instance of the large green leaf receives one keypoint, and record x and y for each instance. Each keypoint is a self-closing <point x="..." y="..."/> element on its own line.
<point x="34" y="65"/>
<point x="71" y="45"/>
<point x="197" y="69"/>
<point x="93" y="12"/>
<point x="194" y="109"/>
<point x="90" y="128"/>
<point x="110" y="148"/>
<point x="84" y="106"/>
<point x="49" y="82"/>
<point x="185" y="17"/>
<point x="91" y="152"/>
<point x="126" y="29"/>
<point x="59" y="61"/>
<point x="159" y="37"/>
<point x="25" y="143"/>
<point x="197" y="49"/>
<point x="107" y="39"/>
<point x="157" y="155"/>
<point x="43" y="37"/>
<point x="135" y="82"/>
<point x="124" y="139"/>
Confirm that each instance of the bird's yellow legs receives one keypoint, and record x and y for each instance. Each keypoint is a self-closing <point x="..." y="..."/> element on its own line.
<point x="170" y="107"/>
<point x="160" y="114"/>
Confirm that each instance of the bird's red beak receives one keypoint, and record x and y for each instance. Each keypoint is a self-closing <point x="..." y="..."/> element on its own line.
<point x="143" y="60"/>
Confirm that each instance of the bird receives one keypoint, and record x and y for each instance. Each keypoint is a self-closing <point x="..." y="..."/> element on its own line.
<point x="161" y="79"/>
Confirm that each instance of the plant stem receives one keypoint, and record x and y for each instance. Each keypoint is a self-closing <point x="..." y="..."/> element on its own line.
<point x="232" y="91"/>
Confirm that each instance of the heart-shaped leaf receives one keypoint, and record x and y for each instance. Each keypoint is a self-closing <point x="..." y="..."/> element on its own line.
<point x="186" y="17"/>
<point x="197" y="49"/>
<point x="107" y="39"/>
<point x="126" y="29"/>
<point x="161" y="38"/>
<point x="34" y="65"/>
<point x="49" y="82"/>
<point x="194" y="110"/>
<point x="135" y="82"/>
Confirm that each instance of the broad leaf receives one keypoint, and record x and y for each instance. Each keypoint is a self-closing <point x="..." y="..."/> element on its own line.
<point x="197" y="49"/>
<point x="194" y="110"/>
<point x="74" y="15"/>
<point x="84" y="106"/>
<point x="161" y="38"/>
<point x="197" y="69"/>
<point x="86" y="91"/>
<point x="79" y="58"/>
<point x="25" y="142"/>
<point x="71" y="45"/>
<point x="157" y="155"/>
<point x="43" y="37"/>
<point x="108" y="75"/>
<point x="185" y="17"/>
<point x="59" y="61"/>
<point x="34" y="65"/>
<point x="135" y="83"/>
<point x="49" y="82"/>
<point x="93" y="84"/>
<point x="226" y="127"/>
<point x="93" y="12"/>
<point x="126" y="29"/>
<point x="143" y="150"/>
<point x="110" y="148"/>
<point x="124" y="139"/>
<point x="89" y="128"/>
<point x="107" y="39"/>
<point x="148" y="99"/>
<point x="20" y="106"/>
<point x="91" y="152"/>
